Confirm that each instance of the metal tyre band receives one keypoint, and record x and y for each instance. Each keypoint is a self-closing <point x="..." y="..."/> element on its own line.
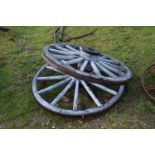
<point x="151" y="89"/>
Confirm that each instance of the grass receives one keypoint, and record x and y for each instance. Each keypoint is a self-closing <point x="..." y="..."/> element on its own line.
<point x="20" y="58"/>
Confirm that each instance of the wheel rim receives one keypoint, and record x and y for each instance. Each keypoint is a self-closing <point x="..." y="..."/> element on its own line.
<point x="54" y="105"/>
<point x="100" y="67"/>
<point x="149" y="90"/>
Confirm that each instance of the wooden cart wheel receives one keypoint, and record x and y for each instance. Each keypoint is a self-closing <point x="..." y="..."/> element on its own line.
<point x="99" y="68"/>
<point x="49" y="83"/>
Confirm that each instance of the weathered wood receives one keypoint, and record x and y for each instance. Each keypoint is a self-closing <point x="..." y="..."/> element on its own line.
<point x="84" y="65"/>
<point x="74" y="61"/>
<point x="65" y="90"/>
<point x="71" y="48"/>
<point x="47" y="78"/>
<point x="98" y="103"/>
<point x="79" y="52"/>
<point x="104" y="88"/>
<point x="50" y="68"/>
<point x="106" y="71"/>
<point x="54" y="35"/>
<point x="116" y="71"/>
<point x="112" y="71"/>
<point x="76" y="95"/>
<point x="109" y="60"/>
<point x="63" y="49"/>
<point x="64" y="57"/>
<point x="61" y="52"/>
<point x="56" y="85"/>
<point x="70" y="112"/>
<point x="116" y="66"/>
<point x="95" y="69"/>
<point x="81" y="36"/>
<point x="61" y="34"/>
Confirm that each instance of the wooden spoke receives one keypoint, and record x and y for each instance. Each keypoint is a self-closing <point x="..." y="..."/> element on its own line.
<point x="64" y="49"/>
<point x="42" y="91"/>
<point x="47" y="78"/>
<point x="109" y="61"/>
<point x="117" y="72"/>
<point x="60" y="52"/>
<point x="104" y="88"/>
<point x="98" y="103"/>
<point x="72" y="49"/>
<point x="84" y="65"/>
<point x="50" y="68"/>
<point x="64" y="57"/>
<point x="95" y="69"/>
<point x="106" y="71"/>
<point x="58" y="98"/>
<point x="76" y="95"/>
<point x="74" y="61"/>
<point x="116" y="67"/>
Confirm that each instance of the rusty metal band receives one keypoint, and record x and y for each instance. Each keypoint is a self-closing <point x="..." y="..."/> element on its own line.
<point x="148" y="90"/>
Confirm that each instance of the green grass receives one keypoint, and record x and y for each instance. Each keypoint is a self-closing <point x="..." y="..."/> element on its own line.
<point x="20" y="58"/>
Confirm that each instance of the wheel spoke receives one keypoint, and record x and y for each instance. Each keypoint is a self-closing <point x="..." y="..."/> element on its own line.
<point x="64" y="57"/>
<point x="80" y="52"/>
<point x="61" y="52"/>
<point x="95" y="69"/>
<point x="74" y="61"/>
<point x="83" y="53"/>
<point x="84" y="65"/>
<point x="47" y="78"/>
<point x="76" y="95"/>
<point x="64" y="49"/>
<point x="58" y="98"/>
<point x="109" y="61"/>
<point x="51" y="68"/>
<point x="106" y="89"/>
<point x="109" y="73"/>
<point x="98" y="103"/>
<point x="111" y="69"/>
<point x="116" y="66"/>
<point x="72" y="49"/>
<point x="42" y="91"/>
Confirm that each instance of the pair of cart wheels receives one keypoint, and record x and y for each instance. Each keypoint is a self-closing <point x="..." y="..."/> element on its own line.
<point x="73" y="71"/>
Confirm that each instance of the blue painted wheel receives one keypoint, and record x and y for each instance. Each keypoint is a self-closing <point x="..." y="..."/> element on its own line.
<point x="100" y="68"/>
<point x="49" y="86"/>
